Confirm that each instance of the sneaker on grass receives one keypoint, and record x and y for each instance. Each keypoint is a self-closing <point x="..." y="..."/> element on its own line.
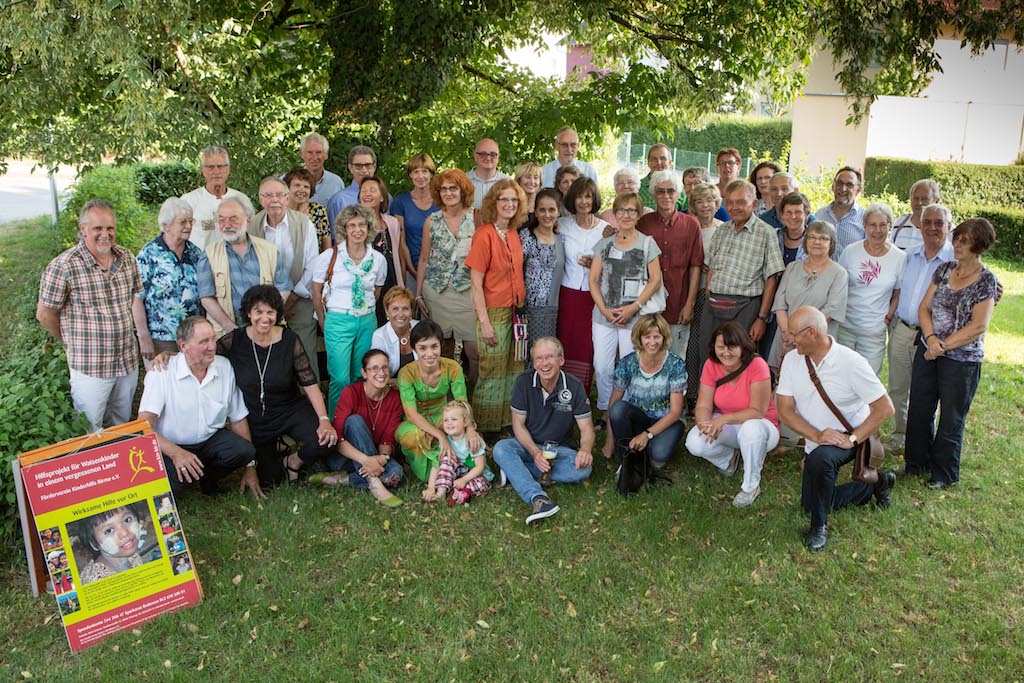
<point x="543" y="507"/>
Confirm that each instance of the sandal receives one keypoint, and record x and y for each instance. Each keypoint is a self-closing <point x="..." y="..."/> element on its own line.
<point x="289" y="471"/>
<point x="322" y="477"/>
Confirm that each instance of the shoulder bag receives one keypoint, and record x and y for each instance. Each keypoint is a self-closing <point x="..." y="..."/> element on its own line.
<point x="326" y="293"/>
<point x="869" y="453"/>
<point x="656" y="304"/>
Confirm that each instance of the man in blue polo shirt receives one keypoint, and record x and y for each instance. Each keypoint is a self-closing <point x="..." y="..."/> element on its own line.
<point x="546" y="402"/>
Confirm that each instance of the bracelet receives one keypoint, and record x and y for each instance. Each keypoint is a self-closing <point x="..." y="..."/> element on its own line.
<point x="929" y="336"/>
<point x="324" y="418"/>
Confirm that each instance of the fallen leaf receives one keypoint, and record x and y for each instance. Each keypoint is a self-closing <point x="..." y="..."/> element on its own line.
<point x="387" y="524"/>
<point x="897" y="665"/>
<point x="237" y="580"/>
<point x="48" y="619"/>
<point x="245" y="617"/>
<point x="26" y="675"/>
<point x="202" y="664"/>
<point x="295" y="509"/>
<point x="192" y="628"/>
<point x="658" y="666"/>
<point x="714" y="646"/>
<point x="571" y="610"/>
<point x="273" y="608"/>
<point x="167" y="664"/>
<point x="482" y="624"/>
<point x="303" y="623"/>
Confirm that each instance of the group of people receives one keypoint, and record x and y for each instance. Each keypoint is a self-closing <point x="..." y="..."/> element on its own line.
<point x="479" y="309"/>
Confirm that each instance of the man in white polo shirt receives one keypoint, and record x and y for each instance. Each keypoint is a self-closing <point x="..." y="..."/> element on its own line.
<point x="188" y="403"/>
<point x="852" y="386"/>
<point x="216" y="166"/>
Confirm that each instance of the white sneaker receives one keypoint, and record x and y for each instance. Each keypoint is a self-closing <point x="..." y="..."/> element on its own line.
<point x="743" y="499"/>
<point x="502" y="479"/>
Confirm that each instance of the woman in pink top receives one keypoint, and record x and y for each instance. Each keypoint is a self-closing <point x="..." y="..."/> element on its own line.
<point x="735" y="413"/>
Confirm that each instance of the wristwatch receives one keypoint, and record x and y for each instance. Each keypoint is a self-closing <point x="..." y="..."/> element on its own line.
<point x="853" y="439"/>
<point x="763" y="318"/>
<point x="252" y="463"/>
<point x="649" y="434"/>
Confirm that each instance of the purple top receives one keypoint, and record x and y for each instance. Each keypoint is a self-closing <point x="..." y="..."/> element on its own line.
<point x="952" y="309"/>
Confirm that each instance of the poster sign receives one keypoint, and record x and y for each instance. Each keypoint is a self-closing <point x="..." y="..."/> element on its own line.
<point x="111" y="536"/>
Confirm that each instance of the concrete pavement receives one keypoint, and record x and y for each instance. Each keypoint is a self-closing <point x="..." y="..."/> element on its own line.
<point x="24" y="194"/>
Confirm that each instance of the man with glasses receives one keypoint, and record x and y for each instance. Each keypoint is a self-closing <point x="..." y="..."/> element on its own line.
<point x="238" y="262"/>
<point x="486" y="172"/>
<point x="659" y="158"/>
<point x="215" y="165"/>
<point x="843" y="213"/>
<point x="567" y="145"/>
<point x="678" y="236"/>
<point x="727" y="163"/>
<point x="850" y="383"/>
<point x="362" y="163"/>
<point x="296" y="240"/>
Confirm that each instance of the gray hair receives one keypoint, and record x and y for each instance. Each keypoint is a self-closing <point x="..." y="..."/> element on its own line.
<point x="549" y="340"/>
<point x="171" y="209"/>
<point x="661" y="177"/>
<point x="744" y="185"/>
<point x="315" y="137"/>
<point x="698" y="171"/>
<point x="946" y="214"/>
<point x="880" y="208"/>
<point x="794" y="184"/>
<point x="101" y="204"/>
<point x="354" y="211"/>
<point x="706" y="190"/>
<point x="825" y="228"/>
<point x="361" y="149"/>
<point x="187" y="328"/>
<point x="931" y="184"/>
<point x="214" y="150"/>
<point x="626" y="172"/>
<point x="242" y="201"/>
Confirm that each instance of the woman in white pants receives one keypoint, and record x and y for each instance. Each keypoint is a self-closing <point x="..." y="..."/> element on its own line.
<point x="735" y="414"/>
<point x="624" y="274"/>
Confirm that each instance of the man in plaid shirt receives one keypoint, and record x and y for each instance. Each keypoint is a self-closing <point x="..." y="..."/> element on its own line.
<point x="85" y="298"/>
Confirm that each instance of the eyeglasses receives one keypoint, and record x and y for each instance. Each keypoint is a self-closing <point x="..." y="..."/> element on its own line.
<point x="508" y="200"/>
<point x="666" y="191"/>
<point x="626" y="211"/>
<point x="819" y="238"/>
<point x="841" y="184"/>
<point x="625" y="183"/>
<point x="363" y="167"/>
<point x="797" y="334"/>
<point x="568" y="145"/>
<point x="377" y="369"/>
<point x="357" y="224"/>
<point x="487" y="155"/>
<point x="231" y="220"/>
<point x="273" y="195"/>
<point x="730" y="162"/>
<point x="445" y="189"/>
<point x="216" y="167"/>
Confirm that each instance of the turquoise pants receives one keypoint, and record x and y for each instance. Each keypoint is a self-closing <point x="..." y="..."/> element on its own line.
<point x="347" y="338"/>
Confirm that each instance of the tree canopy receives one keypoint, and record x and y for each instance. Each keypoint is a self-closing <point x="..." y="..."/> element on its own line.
<point x="83" y="79"/>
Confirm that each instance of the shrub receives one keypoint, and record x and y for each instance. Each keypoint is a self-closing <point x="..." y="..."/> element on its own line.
<point x="751" y="135"/>
<point x="1009" y="225"/>
<point x="157" y="182"/>
<point x="118" y="186"/>
<point x="961" y="184"/>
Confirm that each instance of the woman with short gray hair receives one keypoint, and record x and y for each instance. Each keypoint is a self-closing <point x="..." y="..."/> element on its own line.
<point x="627" y="181"/>
<point x="170" y="287"/>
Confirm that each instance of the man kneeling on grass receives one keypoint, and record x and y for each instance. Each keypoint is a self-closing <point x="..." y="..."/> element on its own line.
<point x="545" y="403"/>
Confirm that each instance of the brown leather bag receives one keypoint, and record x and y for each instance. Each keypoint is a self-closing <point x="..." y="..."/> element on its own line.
<point x="868" y="454"/>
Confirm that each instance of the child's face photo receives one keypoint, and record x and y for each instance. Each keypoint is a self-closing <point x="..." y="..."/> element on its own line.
<point x="453" y="422"/>
<point x="119" y="535"/>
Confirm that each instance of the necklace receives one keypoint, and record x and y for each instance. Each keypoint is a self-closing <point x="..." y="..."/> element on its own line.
<point x="374" y="409"/>
<point x="592" y="221"/>
<point x="262" y="372"/>
<point x="961" y="275"/>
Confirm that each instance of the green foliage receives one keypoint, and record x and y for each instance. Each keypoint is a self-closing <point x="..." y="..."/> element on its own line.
<point x="961" y="184"/>
<point x="116" y="184"/>
<point x="158" y="181"/>
<point x="752" y="136"/>
<point x="1009" y="225"/>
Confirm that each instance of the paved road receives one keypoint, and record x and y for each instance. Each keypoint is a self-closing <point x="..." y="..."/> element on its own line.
<point x="24" y="194"/>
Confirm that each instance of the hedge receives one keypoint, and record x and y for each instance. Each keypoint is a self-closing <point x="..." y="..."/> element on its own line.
<point x="763" y="135"/>
<point x="157" y="182"/>
<point x="1009" y="225"/>
<point x="961" y="184"/>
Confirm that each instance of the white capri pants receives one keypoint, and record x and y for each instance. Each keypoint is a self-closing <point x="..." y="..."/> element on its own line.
<point x="754" y="438"/>
<point x="608" y="340"/>
<point x="105" y="402"/>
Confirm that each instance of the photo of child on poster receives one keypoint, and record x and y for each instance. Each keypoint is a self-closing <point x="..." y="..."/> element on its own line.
<point x="113" y="541"/>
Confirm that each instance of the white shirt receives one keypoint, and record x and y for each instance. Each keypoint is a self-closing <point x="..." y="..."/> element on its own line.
<point x="339" y="298"/>
<point x="189" y="411"/>
<point x="386" y="339"/>
<point x="845" y="376"/>
<point x="578" y="242"/>
<point x="204" y="215"/>
<point x="548" y="171"/>
<point x="872" y="281"/>
<point x="281" y="238"/>
<point x="482" y="186"/>
<point x="904" y="235"/>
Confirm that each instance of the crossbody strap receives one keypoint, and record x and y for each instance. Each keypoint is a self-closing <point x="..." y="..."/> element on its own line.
<point x="824" y="397"/>
<point x="330" y="268"/>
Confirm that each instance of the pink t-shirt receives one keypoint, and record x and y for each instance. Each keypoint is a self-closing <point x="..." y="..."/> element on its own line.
<point x="732" y="398"/>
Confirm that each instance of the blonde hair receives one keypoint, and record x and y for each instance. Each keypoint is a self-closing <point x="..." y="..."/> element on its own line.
<point x="646" y="323"/>
<point x="463" y="407"/>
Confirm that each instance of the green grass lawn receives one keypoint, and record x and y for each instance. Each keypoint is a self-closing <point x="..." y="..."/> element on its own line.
<point x="672" y="585"/>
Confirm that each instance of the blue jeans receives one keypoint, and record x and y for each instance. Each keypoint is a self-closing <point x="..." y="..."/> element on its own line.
<point x="359" y="435"/>
<point x="628" y="421"/>
<point x="948" y="385"/>
<point x="518" y="467"/>
<point x="819" y="492"/>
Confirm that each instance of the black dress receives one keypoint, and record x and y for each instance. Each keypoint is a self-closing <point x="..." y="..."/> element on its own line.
<point x="284" y="408"/>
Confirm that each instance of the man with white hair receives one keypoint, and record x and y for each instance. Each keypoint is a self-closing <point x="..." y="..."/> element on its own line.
<point x="907" y="229"/>
<point x="567" y="145"/>
<point x="851" y="385"/>
<point x="781" y="184"/>
<point x="314" y="149"/>
<point x="216" y="166"/>
<point x="238" y="262"/>
<point x="922" y="262"/>
<point x="659" y="158"/>
<point x="678" y="236"/>
<point x="296" y="241"/>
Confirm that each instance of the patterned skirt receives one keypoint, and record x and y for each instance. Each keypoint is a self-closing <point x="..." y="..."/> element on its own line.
<point x="498" y="371"/>
<point x="693" y="353"/>
<point x="575" y="321"/>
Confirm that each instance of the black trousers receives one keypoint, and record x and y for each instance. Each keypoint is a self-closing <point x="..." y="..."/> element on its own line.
<point x="819" y="492"/>
<point x="744" y="314"/>
<point x="300" y="422"/>
<point x="221" y="454"/>
<point x="948" y="385"/>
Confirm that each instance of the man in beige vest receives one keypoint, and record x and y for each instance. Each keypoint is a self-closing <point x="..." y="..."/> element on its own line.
<point x="237" y="263"/>
<point x="296" y="241"/>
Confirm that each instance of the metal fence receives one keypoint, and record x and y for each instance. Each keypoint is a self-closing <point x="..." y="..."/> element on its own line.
<point x="636" y="155"/>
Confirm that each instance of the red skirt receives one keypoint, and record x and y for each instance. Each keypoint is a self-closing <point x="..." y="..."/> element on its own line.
<point x="575" y="331"/>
